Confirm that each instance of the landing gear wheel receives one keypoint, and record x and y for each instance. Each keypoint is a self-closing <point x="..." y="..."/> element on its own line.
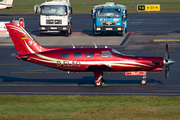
<point x="99" y="84"/>
<point x="66" y="34"/>
<point x="102" y="80"/>
<point x="143" y="82"/>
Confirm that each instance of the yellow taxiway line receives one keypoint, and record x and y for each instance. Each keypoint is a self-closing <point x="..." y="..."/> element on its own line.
<point x="166" y="40"/>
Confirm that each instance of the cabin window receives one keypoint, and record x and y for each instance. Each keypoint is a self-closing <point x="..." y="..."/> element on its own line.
<point x="77" y="54"/>
<point x="106" y="54"/>
<point x="89" y="54"/>
<point x="65" y="54"/>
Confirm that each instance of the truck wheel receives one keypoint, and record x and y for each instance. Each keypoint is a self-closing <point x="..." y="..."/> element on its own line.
<point x="41" y="34"/>
<point x="95" y="33"/>
<point x="70" y="31"/>
<point x="121" y="34"/>
<point x="66" y="34"/>
<point x="70" y="28"/>
<point x="126" y="30"/>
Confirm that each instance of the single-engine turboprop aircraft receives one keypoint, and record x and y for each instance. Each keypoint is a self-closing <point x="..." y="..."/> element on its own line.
<point x="96" y="60"/>
<point x="6" y="4"/>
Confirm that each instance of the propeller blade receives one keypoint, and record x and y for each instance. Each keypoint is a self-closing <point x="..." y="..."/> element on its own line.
<point x="166" y="71"/>
<point x="167" y="52"/>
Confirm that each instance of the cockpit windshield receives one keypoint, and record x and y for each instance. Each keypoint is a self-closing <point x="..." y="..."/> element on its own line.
<point x="109" y="13"/>
<point x="53" y="10"/>
<point x="117" y="53"/>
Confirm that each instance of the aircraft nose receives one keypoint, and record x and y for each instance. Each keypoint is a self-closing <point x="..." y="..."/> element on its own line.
<point x="168" y="62"/>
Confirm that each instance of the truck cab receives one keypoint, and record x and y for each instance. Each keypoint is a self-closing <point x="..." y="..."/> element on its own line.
<point x="109" y="18"/>
<point x="55" y="17"/>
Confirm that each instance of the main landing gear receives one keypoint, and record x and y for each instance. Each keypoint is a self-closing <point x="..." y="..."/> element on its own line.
<point x="144" y="81"/>
<point x="99" y="81"/>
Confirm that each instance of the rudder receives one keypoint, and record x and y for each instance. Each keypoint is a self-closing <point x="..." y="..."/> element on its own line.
<point x="24" y="43"/>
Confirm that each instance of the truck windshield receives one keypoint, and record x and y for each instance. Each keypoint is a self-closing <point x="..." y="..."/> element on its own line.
<point x="108" y="13"/>
<point x="53" y="10"/>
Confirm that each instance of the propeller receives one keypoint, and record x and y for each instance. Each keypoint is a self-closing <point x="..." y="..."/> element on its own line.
<point x="167" y="62"/>
<point x="167" y="52"/>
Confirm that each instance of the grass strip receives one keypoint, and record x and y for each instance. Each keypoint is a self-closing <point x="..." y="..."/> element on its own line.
<point x="78" y="107"/>
<point x="85" y="6"/>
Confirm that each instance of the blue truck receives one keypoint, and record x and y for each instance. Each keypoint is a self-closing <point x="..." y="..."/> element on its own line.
<point x="109" y="18"/>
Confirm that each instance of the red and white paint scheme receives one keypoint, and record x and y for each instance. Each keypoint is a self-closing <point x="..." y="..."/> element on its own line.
<point x="6" y="4"/>
<point x="96" y="60"/>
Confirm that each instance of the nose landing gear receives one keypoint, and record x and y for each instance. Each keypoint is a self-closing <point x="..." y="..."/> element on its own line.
<point x="144" y="81"/>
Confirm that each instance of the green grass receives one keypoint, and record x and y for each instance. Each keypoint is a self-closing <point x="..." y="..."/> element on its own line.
<point x="88" y="107"/>
<point x="27" y="6"/>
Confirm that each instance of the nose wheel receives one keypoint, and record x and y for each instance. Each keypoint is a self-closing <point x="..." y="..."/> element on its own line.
<point x="144" y="81"/>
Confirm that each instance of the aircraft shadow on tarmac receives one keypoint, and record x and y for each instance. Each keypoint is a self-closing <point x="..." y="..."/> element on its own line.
<point x="84" y="80"/>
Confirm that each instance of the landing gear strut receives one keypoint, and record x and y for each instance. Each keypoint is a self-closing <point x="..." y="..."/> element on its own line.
<point x="144" y="81"/>
<point x="98" y="78"/>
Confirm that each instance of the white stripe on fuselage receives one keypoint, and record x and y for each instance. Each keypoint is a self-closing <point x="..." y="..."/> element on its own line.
<point x="98" y="62"/>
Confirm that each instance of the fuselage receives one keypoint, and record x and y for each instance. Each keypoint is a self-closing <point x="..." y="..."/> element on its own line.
<point x="90" y="59"/>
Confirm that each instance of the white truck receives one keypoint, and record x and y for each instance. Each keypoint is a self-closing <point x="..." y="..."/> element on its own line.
<point x="55" y="17"/>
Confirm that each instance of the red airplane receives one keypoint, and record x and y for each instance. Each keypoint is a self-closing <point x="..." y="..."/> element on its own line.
<point x="96" y="60"/>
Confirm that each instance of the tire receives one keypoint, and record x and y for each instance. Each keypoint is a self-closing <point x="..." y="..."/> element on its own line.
<point x="66" y="34"/>
<point x="41" y="34"/>
<point x="70" y="30"/>
<point x="143" y="82"/>
<point x="126" y="30"/>
<point x="121" y="35"/>
<point x="99" y="84"/>
<point x="95" y="33"/>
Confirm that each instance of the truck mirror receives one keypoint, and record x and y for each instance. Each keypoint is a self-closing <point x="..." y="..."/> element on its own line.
<point x="126" y="13"/>
<point x="36" y="10"/>
<point x="71" y="11"/>
<point x="91" y="12"/>
<point x="92" y="16"/>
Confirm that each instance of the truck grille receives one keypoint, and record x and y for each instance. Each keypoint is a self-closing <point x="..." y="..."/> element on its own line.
<point x="109" y="23"/>
<point x="53" y="21"/>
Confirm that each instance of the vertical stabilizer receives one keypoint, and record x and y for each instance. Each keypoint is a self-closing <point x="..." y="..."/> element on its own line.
<point x="24" y="42"/>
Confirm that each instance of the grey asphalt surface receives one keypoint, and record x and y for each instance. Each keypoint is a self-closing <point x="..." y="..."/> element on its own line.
<point x="19" y="77"/>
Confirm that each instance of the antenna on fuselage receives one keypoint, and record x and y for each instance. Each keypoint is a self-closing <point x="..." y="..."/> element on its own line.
<point x="94" y="44"/>
<point x="72" y="44"/>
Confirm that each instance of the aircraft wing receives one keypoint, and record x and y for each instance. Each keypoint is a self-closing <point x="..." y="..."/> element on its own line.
<point x="98" y="67"/>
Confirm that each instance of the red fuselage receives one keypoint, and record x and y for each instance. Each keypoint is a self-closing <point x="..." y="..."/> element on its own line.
<point x="90" y="59"/>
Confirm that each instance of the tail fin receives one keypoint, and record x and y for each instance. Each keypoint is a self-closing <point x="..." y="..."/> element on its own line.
<point x="24" y="42"/>
<point x="7" y="2"/>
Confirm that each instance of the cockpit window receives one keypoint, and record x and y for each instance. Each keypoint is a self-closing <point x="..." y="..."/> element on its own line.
<point x="117" y="53"/>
